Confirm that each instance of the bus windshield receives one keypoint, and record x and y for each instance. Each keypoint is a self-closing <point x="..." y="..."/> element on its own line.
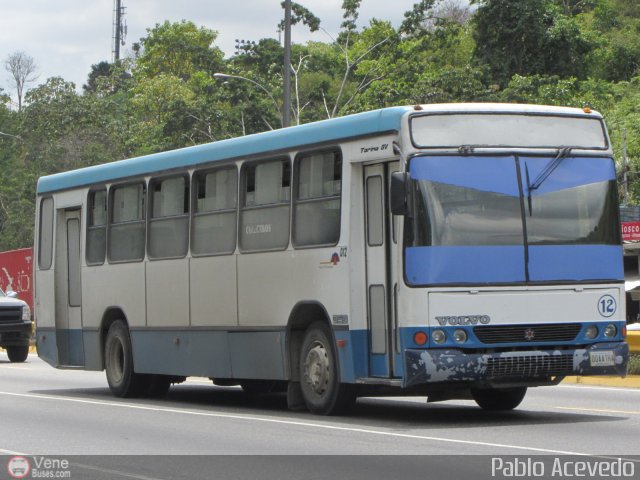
<point x="481" y="207"/>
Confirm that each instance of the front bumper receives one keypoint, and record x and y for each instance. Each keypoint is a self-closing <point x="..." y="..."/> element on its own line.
<point x="15" y="334"/>
<point x="433" y="366"/>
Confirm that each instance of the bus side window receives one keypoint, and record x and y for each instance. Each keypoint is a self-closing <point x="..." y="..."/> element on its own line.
<point x="127" y="223"/>
<point x="317" y="199"/>
<point x="97" y="227"/>
<point x="45" y="246"/>
<point x="169" y="218"/>
<point x="264" y="221"/>
<point x="214" y="216"/>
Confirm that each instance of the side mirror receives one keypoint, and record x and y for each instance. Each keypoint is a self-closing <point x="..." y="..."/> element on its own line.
<point x="12" y="294"/>
<point x="398" y="193"/>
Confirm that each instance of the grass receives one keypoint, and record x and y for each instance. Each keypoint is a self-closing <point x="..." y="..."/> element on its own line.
<point x="634" y="364"/>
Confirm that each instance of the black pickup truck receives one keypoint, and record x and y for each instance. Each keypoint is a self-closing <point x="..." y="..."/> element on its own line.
<point x="16" y="326"/>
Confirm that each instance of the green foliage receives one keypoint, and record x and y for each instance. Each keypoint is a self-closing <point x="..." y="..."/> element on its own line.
<point x="528" y="37"/>
<point x="301" y="14"/>
<point x="633" y="368"/>
<point x="178" y="49"/>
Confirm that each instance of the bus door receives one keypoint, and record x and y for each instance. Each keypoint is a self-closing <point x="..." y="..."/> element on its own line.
<point x="381" y="273"/>
<point x="68" y="290"/>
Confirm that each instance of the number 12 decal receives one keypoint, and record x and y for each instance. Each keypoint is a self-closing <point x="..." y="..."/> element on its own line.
<point x="607" y="305"/>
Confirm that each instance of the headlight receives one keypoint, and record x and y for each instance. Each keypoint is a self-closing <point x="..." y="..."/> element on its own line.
<point x="592" y="332"/>
<point x="460" y="336"/>
<point x="26" y="313"/>
<point x="610" y="331"/>
<point x="438" y="336"/>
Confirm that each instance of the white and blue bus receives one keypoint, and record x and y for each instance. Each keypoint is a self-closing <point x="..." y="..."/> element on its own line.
<point x="452" y="251"/>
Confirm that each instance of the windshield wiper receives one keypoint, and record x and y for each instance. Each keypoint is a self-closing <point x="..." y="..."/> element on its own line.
<point x="544" y="174"/>
<point x="551" y="166"/>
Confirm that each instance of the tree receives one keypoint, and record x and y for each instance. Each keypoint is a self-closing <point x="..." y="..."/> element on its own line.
<point x="22" y="68"/>
<point x="178" y="49"/>
<point x="528" y="37"/>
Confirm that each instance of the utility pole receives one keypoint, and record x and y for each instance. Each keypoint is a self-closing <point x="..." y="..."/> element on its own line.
<point x="625" y="179"/>
<point x="286" y="97"/>
<point x="119" y="29"/>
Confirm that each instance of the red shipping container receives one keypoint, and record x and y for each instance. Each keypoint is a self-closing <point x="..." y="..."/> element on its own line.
<point x="16" y="273"/>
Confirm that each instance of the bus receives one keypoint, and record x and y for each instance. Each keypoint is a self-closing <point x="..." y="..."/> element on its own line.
<point x="449" y="251"/>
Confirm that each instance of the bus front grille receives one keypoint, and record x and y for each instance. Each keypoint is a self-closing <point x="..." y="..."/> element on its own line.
<point x="10" y="314"/>
<point x="530" y="366"/>
<point x="531" y="333"/>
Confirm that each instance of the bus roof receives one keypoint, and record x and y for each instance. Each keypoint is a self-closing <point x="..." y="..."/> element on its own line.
<point x="351" y="126"/>
<point x="335" y="129"/>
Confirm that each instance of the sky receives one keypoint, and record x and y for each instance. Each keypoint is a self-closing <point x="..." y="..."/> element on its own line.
<point x="66" y="37"/>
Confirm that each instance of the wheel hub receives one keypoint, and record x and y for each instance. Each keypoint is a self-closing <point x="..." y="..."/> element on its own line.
<point x="117" y="361"/>
<point x="316" y="369"/>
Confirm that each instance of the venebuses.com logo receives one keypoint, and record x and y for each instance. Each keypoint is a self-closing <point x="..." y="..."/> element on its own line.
<point x="38" y="467"/>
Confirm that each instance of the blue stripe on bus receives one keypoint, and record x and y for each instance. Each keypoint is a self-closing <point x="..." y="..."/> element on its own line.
<point x="575" y="262"/>
<point x="490" y="174"/>
<point x="464" y="264"/>
<point x="367" y="123"/>
<point x="407" y="335"/>
<point x="570" y="173"/>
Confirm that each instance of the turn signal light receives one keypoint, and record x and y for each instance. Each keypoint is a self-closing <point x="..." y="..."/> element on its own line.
<point x="420" y="338"/>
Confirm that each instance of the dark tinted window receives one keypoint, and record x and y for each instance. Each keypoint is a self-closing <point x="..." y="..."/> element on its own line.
<point x="581" y="215"/>
<point x="452" y="215"/>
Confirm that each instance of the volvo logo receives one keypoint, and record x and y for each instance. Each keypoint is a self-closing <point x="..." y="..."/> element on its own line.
<point x="464" y="320"/>
<point x="529" y="334"/>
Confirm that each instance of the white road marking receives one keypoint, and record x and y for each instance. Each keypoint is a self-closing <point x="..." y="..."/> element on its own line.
<point x="253" y="418"/>
<point x="601" y="410"/>
<point x="11" y="452"/>
<point x="592" y="387"/>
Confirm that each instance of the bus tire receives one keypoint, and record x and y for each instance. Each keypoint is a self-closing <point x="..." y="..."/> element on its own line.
<point x="118" y="361"/>
<point x="322" y="391"/>
<point x="497" y="399"/>
<point x="18" y="354"/>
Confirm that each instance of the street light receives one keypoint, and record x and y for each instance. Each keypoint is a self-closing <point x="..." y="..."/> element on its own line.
<point x="260" y="86"/>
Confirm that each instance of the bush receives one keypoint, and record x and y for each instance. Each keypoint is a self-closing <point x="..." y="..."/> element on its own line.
<point x="634" y="364"/>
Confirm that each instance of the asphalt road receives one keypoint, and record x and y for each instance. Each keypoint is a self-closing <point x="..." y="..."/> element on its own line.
<point x="50" y="412"/>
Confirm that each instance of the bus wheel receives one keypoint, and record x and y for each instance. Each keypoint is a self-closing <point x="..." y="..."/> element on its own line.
<point x="118" y="361"/>
<point x="321" y="390"/>
<point x="498" y="399"/>
<point x="18" y="354"/>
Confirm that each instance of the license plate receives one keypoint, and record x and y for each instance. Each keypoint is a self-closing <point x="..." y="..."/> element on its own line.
<point x="602" y="359"/>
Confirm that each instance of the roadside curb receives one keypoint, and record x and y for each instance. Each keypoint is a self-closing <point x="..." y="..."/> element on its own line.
<point x="630" y="381"/>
